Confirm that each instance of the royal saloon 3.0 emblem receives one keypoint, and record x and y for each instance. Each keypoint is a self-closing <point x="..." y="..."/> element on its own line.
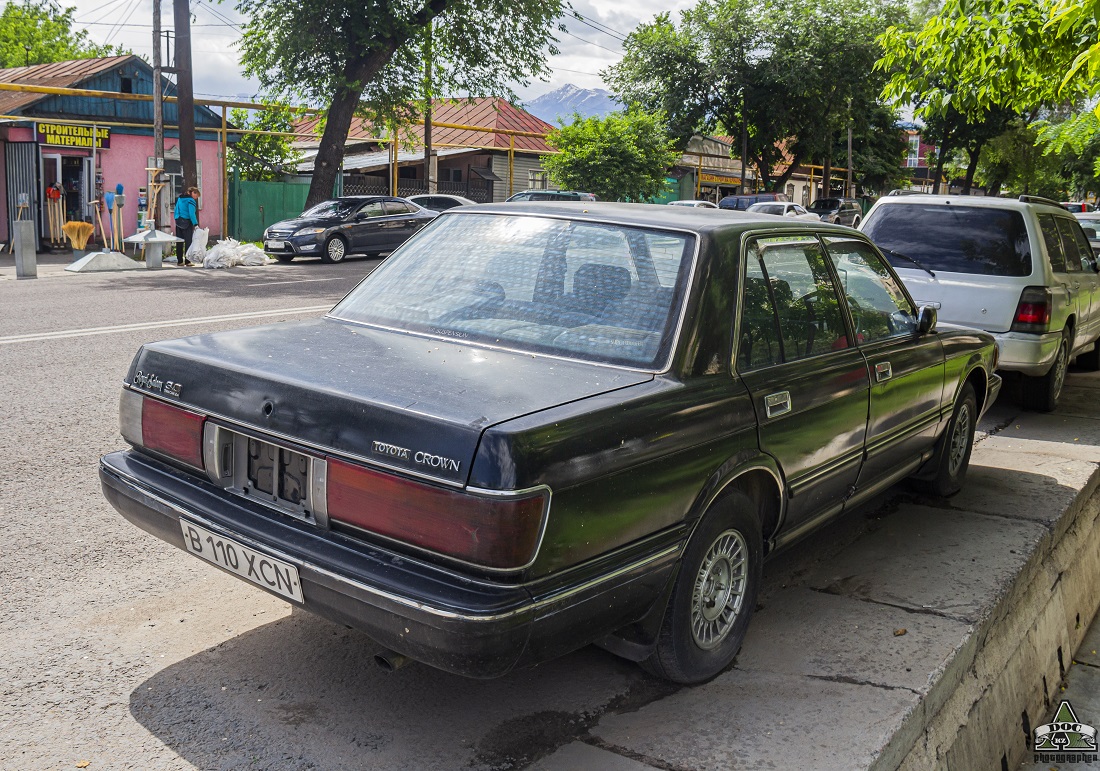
<point x="150" y="382"/>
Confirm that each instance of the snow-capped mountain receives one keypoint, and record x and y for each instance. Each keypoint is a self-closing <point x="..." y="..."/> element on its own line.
<point x="564" y="101"/>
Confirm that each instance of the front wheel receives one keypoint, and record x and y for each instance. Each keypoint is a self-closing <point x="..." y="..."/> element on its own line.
<point x="1042" y="393"/>
<point x="335" y="250"/>
<point x="714" y="596"/>
<point x="953" y="456"/>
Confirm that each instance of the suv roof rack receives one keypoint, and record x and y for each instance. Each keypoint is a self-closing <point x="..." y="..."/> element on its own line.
<point x="1040" y="199"/>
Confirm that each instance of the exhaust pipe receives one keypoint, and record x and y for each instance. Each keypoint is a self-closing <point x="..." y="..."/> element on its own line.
<point x="391" y="661"/>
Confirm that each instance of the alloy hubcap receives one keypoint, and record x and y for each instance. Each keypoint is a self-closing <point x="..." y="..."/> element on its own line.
<point x="719" y="590"/>
<point x="336" y="249"/>
<point x="959" y="440"/>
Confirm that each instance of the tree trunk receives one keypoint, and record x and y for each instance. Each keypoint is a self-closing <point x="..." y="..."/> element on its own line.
<point x="972" y="167"/>
<point x="941" y="157"/>
<point x="781" y="180"/>
<point x="826" y="177"/>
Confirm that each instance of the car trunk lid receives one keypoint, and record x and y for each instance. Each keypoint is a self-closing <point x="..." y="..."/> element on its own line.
<point x="390" y="398"/>
<point x="978" y="301"/>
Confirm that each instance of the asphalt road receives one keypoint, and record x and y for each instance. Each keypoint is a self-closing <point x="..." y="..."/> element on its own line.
<point x="122" y="651"/>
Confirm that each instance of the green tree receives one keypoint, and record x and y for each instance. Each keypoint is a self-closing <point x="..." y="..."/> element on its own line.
<point x="625" y="155"/>
<point x="781" y="71"/>
<point x="878" y="150"/>
<point x="48" y="30"/>
<point x="263" y="157"/>
<point x="364" y="57"/>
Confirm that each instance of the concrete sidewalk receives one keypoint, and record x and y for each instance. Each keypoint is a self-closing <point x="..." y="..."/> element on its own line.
<point x="936" y="636"/>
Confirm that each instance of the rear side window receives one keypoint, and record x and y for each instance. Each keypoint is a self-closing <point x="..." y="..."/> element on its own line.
<point x="1069" y="246"/>
<point x="957" y="239"/>
<point x="1053" y="241"/>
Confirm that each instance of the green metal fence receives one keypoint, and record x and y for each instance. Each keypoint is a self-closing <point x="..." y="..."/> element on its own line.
<point x="253" y="206"/>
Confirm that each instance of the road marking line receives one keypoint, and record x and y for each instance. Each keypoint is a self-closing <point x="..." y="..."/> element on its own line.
<point x="63" y="334"/>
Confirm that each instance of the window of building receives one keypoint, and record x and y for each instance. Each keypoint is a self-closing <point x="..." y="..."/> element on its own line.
<point x="127" y="86"/>
<point x="913" y="158"/>
<point x="450" y="175"/>
<point x="537" y="179"/>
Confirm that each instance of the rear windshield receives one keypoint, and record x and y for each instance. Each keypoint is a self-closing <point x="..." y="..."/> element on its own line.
<point x="767" y="208"/>
<point x="598" y="292"/>
<point x="956" y="239"/>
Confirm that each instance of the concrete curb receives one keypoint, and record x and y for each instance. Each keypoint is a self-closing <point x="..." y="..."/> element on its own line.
<point x="1000" y="683"/>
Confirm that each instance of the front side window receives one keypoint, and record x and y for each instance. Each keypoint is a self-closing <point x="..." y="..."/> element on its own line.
<point x="979" y="240"/>
<point x="791" y="273"/>
<point x="372" y="209"/>
<point x="598" y="292"/>
<point x="876" y="301"/>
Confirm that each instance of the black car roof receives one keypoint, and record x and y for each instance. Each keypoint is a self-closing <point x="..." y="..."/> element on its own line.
<point x="645" y="215"/>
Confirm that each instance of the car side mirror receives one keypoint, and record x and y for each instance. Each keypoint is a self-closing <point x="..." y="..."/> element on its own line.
<point x="926" y="322"/>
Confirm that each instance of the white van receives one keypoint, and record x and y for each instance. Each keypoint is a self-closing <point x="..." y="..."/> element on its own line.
<point x="1022" y="270"/>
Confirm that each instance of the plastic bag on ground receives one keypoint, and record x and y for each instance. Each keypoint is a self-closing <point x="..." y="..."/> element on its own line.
<point x="230" y="252"/>
<point x="197" y="251"/>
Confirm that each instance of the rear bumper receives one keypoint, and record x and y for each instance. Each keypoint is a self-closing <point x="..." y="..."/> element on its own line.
<point x="1031" y="354"/>
<point x="468" y="626"/>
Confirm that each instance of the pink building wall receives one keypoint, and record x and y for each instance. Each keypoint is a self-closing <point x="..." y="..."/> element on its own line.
<point x="125" y="161"/>
<point x="3" y="197"/>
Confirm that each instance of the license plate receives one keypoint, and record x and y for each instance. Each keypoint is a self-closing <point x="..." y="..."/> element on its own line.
<point x="268" y="572"/>
<point x="275" y="244"/>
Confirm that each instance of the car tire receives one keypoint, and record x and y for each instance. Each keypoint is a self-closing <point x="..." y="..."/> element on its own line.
<point x="952" y="457"/>
<point x="335" y="250"/>
<point x="714" y="596"/>
<point x="1041" y="393"/>
<point x="285" y="259"/>
<point x="1090" y="362"/>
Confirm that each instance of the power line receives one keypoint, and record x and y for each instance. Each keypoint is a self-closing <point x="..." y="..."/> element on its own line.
<point x="146" y="26"/>
<point x="600" y="28"/>
<point x="578" y="37"/>
<point x="219" y="15"/>
<point x="116" y="29"/>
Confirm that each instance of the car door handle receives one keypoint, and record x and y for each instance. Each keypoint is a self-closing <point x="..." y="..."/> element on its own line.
<point x="777" y="404"/>
<point x="883" y="371"/>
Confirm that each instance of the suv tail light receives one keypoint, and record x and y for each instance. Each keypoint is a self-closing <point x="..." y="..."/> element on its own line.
<point x="1033" y="310"/>
<point x="163" y="428"/>
<point x="496" y="532"/>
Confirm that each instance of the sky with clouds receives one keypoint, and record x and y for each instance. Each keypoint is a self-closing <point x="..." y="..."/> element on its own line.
<point x="585" y="48"/>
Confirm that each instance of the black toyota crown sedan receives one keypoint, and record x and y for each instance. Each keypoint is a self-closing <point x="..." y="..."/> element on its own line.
<point x="538" y="426"/>
<point x="358" y="224"/>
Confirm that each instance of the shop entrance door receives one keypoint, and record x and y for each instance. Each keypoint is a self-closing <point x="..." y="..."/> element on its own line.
<point x="50" y="172"/>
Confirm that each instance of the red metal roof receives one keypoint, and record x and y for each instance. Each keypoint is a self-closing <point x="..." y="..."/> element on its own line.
<point x="484" y="112"/>
<point x="55" y="75"/>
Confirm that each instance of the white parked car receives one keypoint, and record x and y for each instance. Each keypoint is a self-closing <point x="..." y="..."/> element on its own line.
<point x="695" y="204"/>
<point x="439" y="201"/>
<point x="784" y="209"/>
<point x="1022" y="270"/>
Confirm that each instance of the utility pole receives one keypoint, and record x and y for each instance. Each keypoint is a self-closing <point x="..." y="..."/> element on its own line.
<point x="158" y="110"/>
<point x="186" y="98"/>
<point x="849" y="190"/>
<point x="429" y="167"/>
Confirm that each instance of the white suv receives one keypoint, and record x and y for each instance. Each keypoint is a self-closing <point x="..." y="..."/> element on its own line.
<point x="1019" y="269"/>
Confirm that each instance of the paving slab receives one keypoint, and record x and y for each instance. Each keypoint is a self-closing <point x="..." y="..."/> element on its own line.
<point x="949" y="563"/>
<point x="1057" y="434"/>
<point x="1042" y="486"/>
<point x="804" y="632"/>
<point x="761" y="720"/>
<point x="579" y="756"/>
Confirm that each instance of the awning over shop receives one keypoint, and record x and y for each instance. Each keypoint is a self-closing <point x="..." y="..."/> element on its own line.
<point x="485" y="173"/>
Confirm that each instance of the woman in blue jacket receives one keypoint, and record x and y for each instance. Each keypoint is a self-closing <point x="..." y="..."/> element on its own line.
<point x="187" y="219"/>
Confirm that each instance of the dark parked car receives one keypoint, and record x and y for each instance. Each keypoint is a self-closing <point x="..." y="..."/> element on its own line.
<point x="534" y="428"/>
<point x="356" y="224"/>
<point x="743" y="202"/>
<point x="839" y="211"/>
<point x="552" y="195"/>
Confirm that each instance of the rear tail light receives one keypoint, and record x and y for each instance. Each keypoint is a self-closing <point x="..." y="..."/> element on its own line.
<point x="166" y="429"/>
<point x="1033" y="310"/>
<point x="500" y="533"/>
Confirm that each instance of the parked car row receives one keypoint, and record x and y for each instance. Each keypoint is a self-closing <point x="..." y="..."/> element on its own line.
<point x="538" y="426"/>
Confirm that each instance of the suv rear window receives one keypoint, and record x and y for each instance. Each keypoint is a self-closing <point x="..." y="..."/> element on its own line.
<point x="958" y="239"/>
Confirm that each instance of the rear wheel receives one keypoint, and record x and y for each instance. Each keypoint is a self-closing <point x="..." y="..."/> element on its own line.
<point x="336" y="249"/>
<point x="1042" y="393"/>
<point x="953" y="456"/>
<point x="714" y="596"/>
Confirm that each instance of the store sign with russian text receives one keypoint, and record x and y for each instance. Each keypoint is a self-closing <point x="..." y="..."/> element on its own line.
<point x="716" y="179"/>
<point x="63" y="135"/>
